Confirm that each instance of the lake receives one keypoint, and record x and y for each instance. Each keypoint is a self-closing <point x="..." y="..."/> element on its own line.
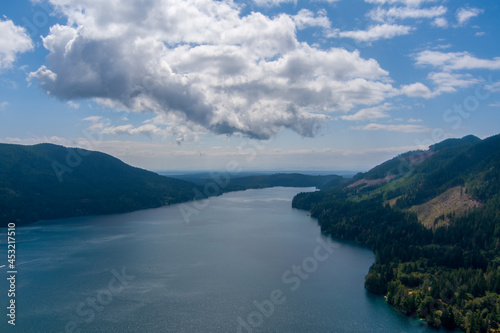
<point x="241" y="262"/>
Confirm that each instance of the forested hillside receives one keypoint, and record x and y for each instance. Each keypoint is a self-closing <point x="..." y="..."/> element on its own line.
<point x="47" y="181"/>
<point x="287" y="180"/>
<point x="445" y="273"/>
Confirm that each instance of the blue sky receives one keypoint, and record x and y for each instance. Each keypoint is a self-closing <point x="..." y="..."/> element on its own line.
<point x="262" y="84"/>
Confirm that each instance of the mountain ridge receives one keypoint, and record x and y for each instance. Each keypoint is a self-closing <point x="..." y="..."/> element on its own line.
<point x="443" y="268"/>
<point x="47" y="181"/>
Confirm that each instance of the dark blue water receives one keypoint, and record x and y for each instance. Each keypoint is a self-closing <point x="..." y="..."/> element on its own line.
<point x="245" y="262"/>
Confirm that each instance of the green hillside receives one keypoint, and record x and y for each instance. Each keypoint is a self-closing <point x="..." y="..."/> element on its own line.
<point x="433" y="219"/>
<point x="47" y="181"/>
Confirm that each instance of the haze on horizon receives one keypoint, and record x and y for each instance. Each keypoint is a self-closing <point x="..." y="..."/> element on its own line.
<point x="270" y="84"/>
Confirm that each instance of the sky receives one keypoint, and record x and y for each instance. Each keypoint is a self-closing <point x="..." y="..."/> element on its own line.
<point x="258" y="84"/>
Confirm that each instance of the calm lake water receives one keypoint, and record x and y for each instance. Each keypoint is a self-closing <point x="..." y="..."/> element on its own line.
<point x="245" y="262"/>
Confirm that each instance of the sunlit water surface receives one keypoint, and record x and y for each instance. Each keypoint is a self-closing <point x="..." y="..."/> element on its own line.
<point x="245" y="262"/>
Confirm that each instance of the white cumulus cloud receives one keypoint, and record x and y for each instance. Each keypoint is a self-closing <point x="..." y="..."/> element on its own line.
<point x="205" y="64"/>
<point x="13" y="40"/>
<point x="449" y="61"/>
<point x="449" y="82"/>
<point x="272" y="3"/>
<point x="306" y="18"/>
<point x="440" y="22"/>
<point x="417" y="90"/>
<point x="465" y="14"/>
<point x="414" y="3"/>
<point x="376" y="32"/>
<point x="400" y="13"/>
<point x="372" y="113"/>
<point x="450" y="75"/>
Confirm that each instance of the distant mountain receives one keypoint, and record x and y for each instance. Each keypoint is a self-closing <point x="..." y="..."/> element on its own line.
<point x="286" y="180"/>
<point x="47" y="181"/>
<point x="206" y="176"/>
<point x="433" y="219"/>
<point x="246" y="180"/>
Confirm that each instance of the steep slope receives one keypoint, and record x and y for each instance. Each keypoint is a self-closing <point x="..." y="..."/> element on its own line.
<point x="47" y="181"/>
<point x="470" y="164"/>
<point x="408" y="167"/>
<point x="446" y="272"/>
<point x="417" y="178"/>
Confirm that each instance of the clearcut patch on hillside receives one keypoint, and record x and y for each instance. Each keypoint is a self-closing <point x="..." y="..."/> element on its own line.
<point x="437" y="212"/>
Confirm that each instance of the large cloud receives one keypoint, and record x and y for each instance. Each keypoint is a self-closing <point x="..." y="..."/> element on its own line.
<point x="207" y="64"/>
<point x="13" y="40"/>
